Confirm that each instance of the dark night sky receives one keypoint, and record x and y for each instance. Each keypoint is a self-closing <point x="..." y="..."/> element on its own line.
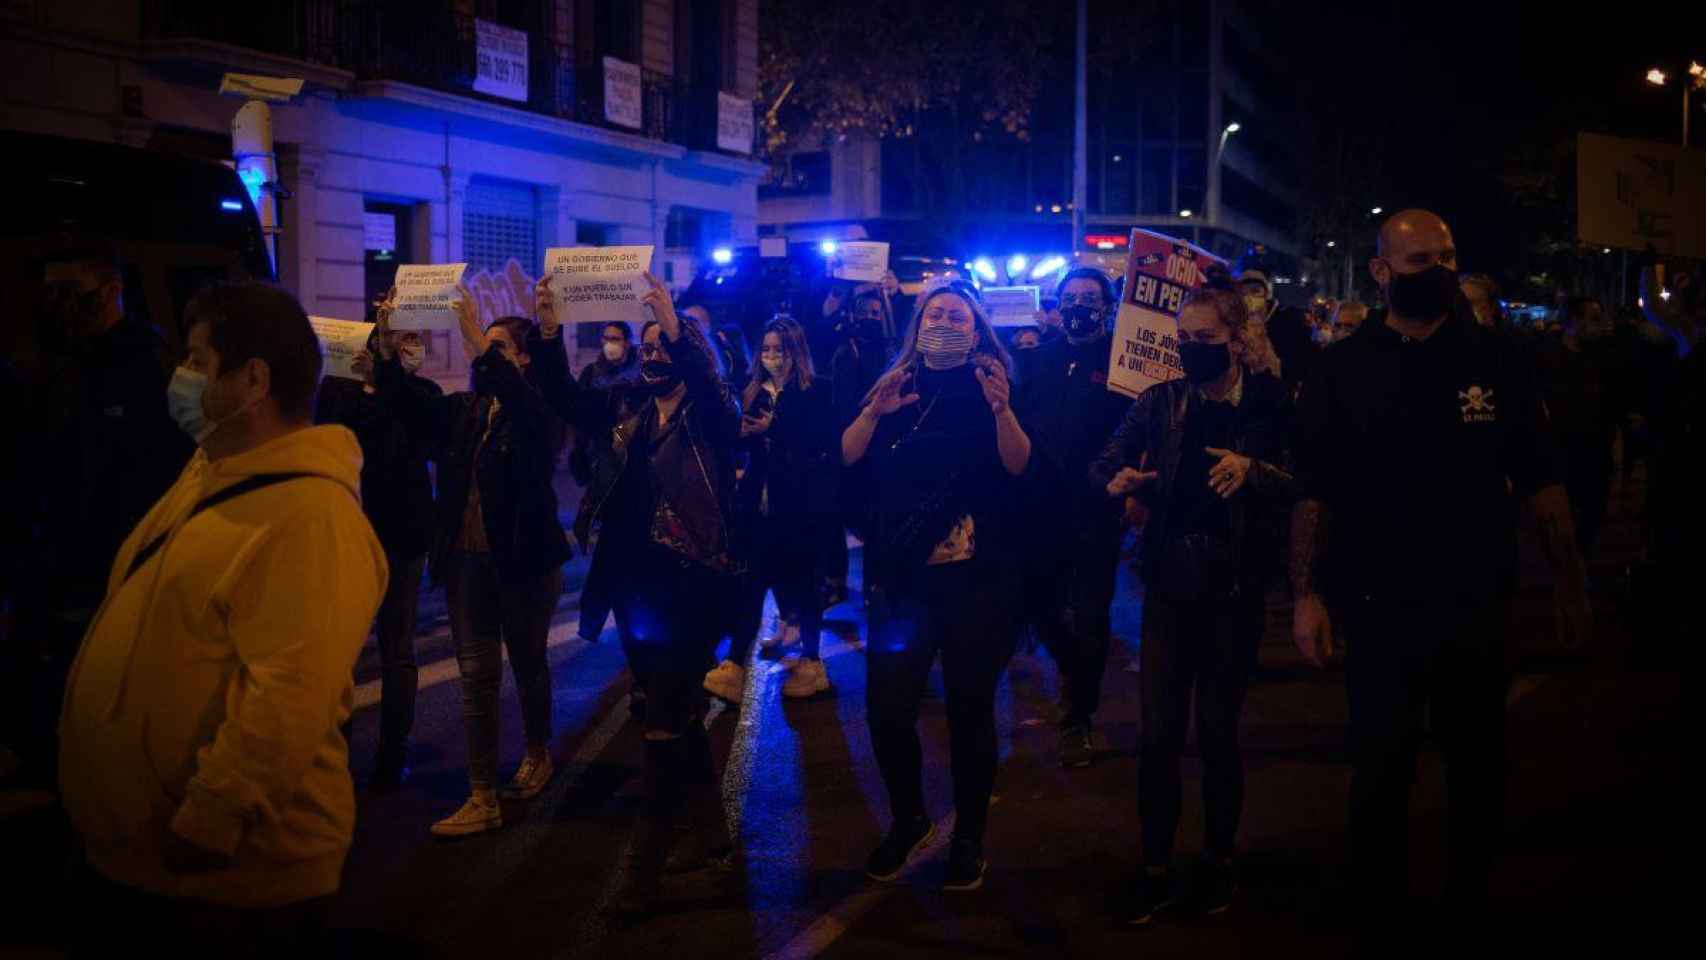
<point x="1453" y="87"/>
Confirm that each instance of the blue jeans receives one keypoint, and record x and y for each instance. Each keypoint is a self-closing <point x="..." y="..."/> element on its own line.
<point x="488" y="616"/>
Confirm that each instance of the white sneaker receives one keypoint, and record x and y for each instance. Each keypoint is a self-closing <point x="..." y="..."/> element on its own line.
<point x="476" y="816"/>
<point x="727" y="682"/>
<point x="807" y="679"/>
<point x="781" y="636"/>
<point x="530" y="778"/>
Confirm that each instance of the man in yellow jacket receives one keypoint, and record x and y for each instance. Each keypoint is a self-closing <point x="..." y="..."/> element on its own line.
<point x="201" y="757"/>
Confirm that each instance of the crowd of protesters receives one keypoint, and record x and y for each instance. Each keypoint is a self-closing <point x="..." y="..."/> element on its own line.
<point x="203" y="586"/>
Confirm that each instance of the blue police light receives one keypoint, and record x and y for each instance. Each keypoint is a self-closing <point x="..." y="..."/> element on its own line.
<point x="1047" y="266"/>
<point x="827" y="248"/>
<point x="722" y="255"/>
<point x="985" y="268"/>
<point x="235" y="206"/>
<point x="1015" y="264"/>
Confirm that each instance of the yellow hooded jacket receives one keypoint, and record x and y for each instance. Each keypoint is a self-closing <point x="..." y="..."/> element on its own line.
<point x="207" y="696"/>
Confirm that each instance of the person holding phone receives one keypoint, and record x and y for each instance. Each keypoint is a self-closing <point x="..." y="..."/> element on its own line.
<point x="945" y="452"/>
<point x="784" y="500"/>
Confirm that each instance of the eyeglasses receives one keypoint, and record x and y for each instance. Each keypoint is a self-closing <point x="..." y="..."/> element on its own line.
<point x="1084" y="300"/>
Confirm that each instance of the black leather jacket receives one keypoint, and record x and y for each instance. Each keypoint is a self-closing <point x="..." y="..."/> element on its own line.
<point x="693" y="466"/>
<point x="1155" y="424"/>
<point x="513" y="467"/>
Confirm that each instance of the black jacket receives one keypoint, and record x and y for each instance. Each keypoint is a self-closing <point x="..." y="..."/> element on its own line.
<point x="513" y="467"/>
<point x="614" y="381"/>
<point x="1155" y="425"/>
<point x="691" y="475"/>
<point x="855" y="368"/>
<point x="396" y="490"/>
<point x="931" y="463"/>
<point x="106" y="451"/>
<point x="798" y="458"/>
<point x="1063" y="398"/>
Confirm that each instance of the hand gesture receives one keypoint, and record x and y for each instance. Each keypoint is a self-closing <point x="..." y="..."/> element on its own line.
<point x="1312" y="629"/>
<point x="992" y="377"/>
<point x="468" y="318"/>
<point x="545" y="308"/>
<point x="382" y="322"/>
<point x="663" y="308"/>
<point x="1129" y="480"/>
<point x="892" y="392"/>
<point x="1227" y="476"/>
<point x="753" y="426"/>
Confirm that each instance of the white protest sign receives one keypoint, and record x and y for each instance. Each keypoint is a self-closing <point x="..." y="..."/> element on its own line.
<point x="1012" y="306"/>
<point x="426" y="296"/>
<point x="622" y="93"/>
<point x="734" y="123"/>
<point x="340" y="341"/>
<point x="864" y="261"/>
<point x="1159" y="271"/>
<point x="378" y="231"/>
<point x="772" y="246"/>
<point x="599" y="284"/>
<point x="500" y="61"/>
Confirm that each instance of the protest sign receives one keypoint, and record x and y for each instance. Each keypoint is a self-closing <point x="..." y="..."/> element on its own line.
<point x="500" y="56"/>
<point x="340" y="341"/>
<point x="1012" y="306"/>
<point x="864" y="261"/>
<point x="426" y="296"/>
<point x="599" y="284"/>
<point x="772" y="247"/>
<point x="1636" y="195"/>
<point x="734" y="123"/>
<point x="1159" y="271"/>
<point x="622" y="93"/>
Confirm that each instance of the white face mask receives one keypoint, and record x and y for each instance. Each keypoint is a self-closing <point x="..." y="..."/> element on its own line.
<point x="183" y="401"/>
<point x="411" y="356"/>
<point x="777" y="366"/>
<point x="614" y="352"/>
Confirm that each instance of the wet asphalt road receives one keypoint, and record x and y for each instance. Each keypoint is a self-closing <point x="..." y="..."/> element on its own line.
<point x="1596" y="805"/>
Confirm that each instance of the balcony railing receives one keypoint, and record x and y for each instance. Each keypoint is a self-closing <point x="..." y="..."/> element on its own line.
<point x="431" y="45"/>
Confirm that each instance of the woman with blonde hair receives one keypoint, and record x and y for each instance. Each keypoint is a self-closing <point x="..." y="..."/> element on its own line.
<point x="945" y="451"/>
<point x="784" y="501"/>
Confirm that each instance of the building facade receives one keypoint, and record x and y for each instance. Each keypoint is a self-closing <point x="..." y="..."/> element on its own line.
<point x="434" y="131"/>
<point x="1197" y="138"/>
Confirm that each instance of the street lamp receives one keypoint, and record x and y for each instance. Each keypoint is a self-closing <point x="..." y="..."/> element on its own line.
<point x="1185" y="214"/>
<point x="1696" y="80"/>
<point x="1231" y="129"/>
<point x="1331" y="244"/>
<point x="1377" y="211"/>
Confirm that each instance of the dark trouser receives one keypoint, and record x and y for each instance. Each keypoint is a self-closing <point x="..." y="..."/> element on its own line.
<point x="124" y="918"/>
<point x="1075" y="626"/>
<point x="1205" y="646"/>
<point x="677" y="613"/>
<point x="39" y="658"/>
<point x="786" y="559"/>
<point x="1446" y="657"/>
<point x="1587" y="480"/>
<point x="395" y="632"/>
<point x="951" y="609"/>
<point x="488" y="616"/>
<point x="835" y="558"/>
<point x="598" y="596"/>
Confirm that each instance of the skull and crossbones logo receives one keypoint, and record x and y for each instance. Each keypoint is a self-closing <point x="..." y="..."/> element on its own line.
<point x="1476" y="400"/>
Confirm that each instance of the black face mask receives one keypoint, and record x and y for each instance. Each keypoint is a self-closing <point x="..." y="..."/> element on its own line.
<point x="658" y="377"/>
<point x="1426" y="295"/>
<point x="1203" y="362"/>
<point x="868" y="328"/>
<point x="1081" y="322"/>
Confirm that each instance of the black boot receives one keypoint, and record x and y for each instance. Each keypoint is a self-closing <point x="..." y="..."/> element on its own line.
<point x="655" y="834"/>
<point x="707" y="843"/>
